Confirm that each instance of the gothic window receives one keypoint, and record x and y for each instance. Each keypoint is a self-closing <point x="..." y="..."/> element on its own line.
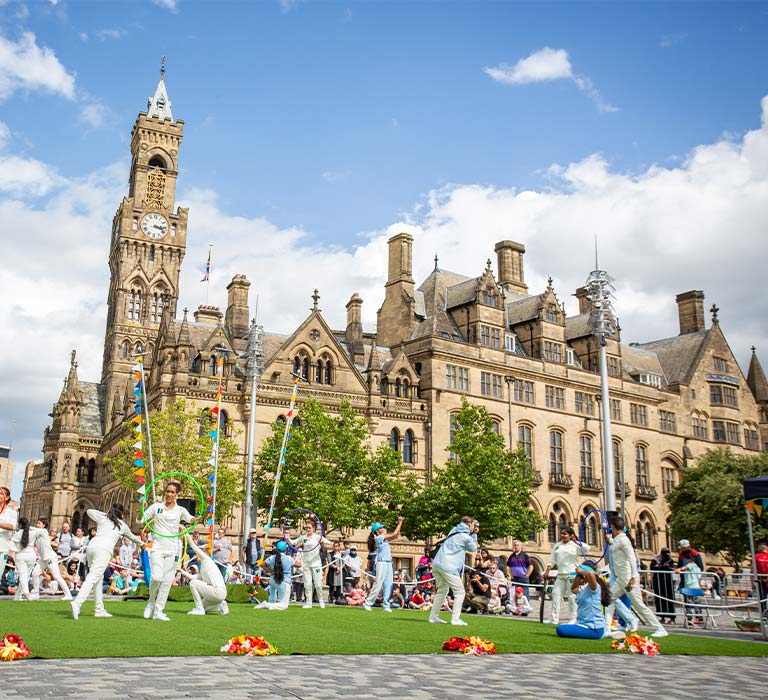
<point x="125" y="349"/>
<point x="155" y="183"/>
<point x="618" y="463"/>
<point x="525" y="440"/>
<point x="151" y="264"/>
<point x="134" y="305"/>
<point x="552" y="528"/>
<point x="49" y="470"/>
<point x="489" y="297"/>
<point x="591" y="527"/>
<point x="213" y="366"/>
<point x="296" y="365"/>
<point x="138" y="349"/>
<point x="197" y="364"/>
<point x="156" y="309"/>
<point x="585" y="456"/>
<point x="384" y="386"/>
<point x="305" y="369"/>
<point x="394" y="440"/>
<point x="80" y="470"/>
<point x="644" y="532"/>
<point x="398" y="387"/>
<point x="91" y="475"/>
<point x="406" y="389"/>
<point x="224" y="424"/>
<point x="327" y="372"/>
<point x="556" y="452"/>
<point x="641" y="464"/>
<point x="319" y="372"/>
<point x="408" y="445"/>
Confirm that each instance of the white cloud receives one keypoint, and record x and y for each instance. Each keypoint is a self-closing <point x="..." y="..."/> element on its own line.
<point x="83" y="36"/>
<point x="335" y="175"/>
<point x="545" y="65"/>
<point x="287" y="5"/>
<point x="26" y="66"/>
<point x="95" y="115"/>
<point x="5" y="135"/>
<point x="672" y="39"/>
<point x="697" y="225"/>
<point x="106" y="34"/>
<point x="167" y="4"/>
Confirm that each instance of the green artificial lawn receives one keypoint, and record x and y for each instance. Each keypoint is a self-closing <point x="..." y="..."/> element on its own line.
<point x="50" y="632"/>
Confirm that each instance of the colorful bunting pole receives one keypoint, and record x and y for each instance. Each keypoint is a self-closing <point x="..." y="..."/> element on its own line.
<point x="214" y="460"/>
<point x="139" y="391"/>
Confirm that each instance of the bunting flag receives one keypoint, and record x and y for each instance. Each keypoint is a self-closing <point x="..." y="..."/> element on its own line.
<point x="757" y="506"/>
<point x="138" y="446"/>
<point x="210" y="509"/>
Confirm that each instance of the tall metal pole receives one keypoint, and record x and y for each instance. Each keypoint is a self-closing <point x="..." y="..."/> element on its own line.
<point x="255" y="368"/>
<point x="510" y="388"/>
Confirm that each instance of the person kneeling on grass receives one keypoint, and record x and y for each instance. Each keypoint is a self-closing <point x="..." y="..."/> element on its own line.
<point x="591" y="595"/>
<point x="279" y="566"/>
<point x="208" y="588"/>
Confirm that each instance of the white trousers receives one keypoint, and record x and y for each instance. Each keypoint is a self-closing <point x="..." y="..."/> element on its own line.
<point x="618" y="589"/>
<point x="163" y="567"/>
<point x="25" y="563"/>
<point x="206" y="596"/>
<point x="282" y="595"/>
<point x="561" y="589"/>
<point x="53" y="566"/>
<point x="313" y="576"/>
<point x="98" y="560"/>
<point x="383" y="583"/>
<point x="445" y="581"/>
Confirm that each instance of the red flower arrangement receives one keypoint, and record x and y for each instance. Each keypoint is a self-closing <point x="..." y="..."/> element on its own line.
<point x="473" y="646"/>
<point x="635" y="644"/>
<point x="12" y="647"/>
<point x="249" y="646"/>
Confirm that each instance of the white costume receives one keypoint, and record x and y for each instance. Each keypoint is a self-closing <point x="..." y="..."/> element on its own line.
<point x="164" y="553"/>
<point x="208" y="588"/>
<point x="25" y="562"/>
<point x="7" y="517"/>
<point x="48" y="559"/>
<point x="564" y="558"/>
<point x="98" y="554"/>
<point x="625" y="568"/>
<point x="312" y="565"/>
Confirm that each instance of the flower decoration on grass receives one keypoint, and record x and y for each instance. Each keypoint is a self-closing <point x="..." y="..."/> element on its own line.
<point x="249" y="646"/>
<point x="473" y="646"/>
<point x="635" y="644"/>
<point x="12" y="647"/>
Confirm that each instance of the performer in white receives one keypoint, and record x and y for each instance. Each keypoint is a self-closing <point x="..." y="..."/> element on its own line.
<point x="311" y="566"/>
<point x="101" y="547"/>
<point x="208" y="588"/>
<point x="565" y="557"/>
<point x="8" y="519"/>
<point x="48" y="558"/>
<point x="627" y="580"/>
<point x="25" y="557"/>
<point x="164" y="555"/>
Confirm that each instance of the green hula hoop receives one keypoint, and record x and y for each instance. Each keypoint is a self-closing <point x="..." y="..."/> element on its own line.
<point x="202" y="504"/>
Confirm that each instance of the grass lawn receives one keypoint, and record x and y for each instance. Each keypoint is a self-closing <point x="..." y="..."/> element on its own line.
<point x="50" y="632"/>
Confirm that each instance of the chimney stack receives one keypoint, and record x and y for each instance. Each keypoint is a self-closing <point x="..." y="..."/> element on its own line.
<point x="396" y="317"/>
<point x="208" y="315"/>
<point x="509" y="255"/>
<point x="585" y="305"/>
<point x="354" y="332"/>
<point x="690" y="309"/>
<point x="237" y="318"/>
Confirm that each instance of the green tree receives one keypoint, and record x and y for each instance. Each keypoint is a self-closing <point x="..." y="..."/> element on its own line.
<point x="331" y="469"/>
<point x="484" y="479"/>
<point x="177" y="445"/>
<point x="707" y="507"/>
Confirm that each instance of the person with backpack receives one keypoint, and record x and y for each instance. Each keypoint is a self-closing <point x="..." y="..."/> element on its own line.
<point x="448" y="565"/>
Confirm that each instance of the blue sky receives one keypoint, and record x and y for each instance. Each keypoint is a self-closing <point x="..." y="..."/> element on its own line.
<point x="315" y="130"/>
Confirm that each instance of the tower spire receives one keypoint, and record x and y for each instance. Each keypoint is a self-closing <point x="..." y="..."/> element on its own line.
<point x="160" y="105"/>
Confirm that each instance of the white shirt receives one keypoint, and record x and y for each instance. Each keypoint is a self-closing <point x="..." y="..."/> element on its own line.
<point x="42" y="541"/>
<point x="167" y="521"/>
<point x="566" y="556"/>
<point x="8" y="517"/>
<point x="107" y="535"/>
<point x="624" y="559"/>
<point x="29" y="550"/>
<point x="355" y="565"/>
<point x="311" y="549"/>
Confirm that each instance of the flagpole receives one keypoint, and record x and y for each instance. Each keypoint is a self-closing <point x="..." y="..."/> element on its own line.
<point x="208" y="274"/>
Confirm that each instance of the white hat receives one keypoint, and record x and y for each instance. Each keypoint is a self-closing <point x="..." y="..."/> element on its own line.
<point x="685" y="543"/>
<point x="252" y="530"/>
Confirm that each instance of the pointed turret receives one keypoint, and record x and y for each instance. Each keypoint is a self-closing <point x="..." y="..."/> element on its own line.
<point x="66" y="411"/>
<point x="71" y="391"/>
<point x="756" y="380"/>
<point x="160" y="105"/>
<point x="184" y="331"/>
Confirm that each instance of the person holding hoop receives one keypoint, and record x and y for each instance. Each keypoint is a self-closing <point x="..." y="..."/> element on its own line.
<point x="109" y="529"/>
<point x="166" y="518"/>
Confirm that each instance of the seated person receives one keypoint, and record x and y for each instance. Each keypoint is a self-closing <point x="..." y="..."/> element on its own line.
<point x="417" y="600"/>
<point x="478" y="593"/>
<point x="495" y="606"/>
<point x="592" y="595"/>
<point x="356" y="596"/>
<point x="398" y="593"/>
<point x="9" y="583"/>
<point x="519" y="605"/>
<point x="119" y="584"/>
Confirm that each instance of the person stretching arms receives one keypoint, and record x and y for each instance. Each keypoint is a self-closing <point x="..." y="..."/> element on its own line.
<point x="208" y="588"/>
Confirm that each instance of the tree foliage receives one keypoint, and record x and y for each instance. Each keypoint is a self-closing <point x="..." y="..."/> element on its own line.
<point x="707" y="507"/>
<point x="484" y="479"/>
<point x="177" y="445"/>
<point x="332" y="470"/>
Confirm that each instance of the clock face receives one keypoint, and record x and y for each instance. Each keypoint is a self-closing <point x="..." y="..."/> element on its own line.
<point x="154" y="225"/>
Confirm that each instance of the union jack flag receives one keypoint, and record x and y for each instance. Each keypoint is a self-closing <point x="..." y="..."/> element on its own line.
<point x="207" y="268"/>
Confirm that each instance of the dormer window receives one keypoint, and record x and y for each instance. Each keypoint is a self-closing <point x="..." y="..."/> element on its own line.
<point x="650" y="379"/>
<point x="551" y="314"/>
<point x="489" y="297"/>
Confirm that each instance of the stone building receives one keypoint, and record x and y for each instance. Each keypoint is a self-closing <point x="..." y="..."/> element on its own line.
<point x="483" y="335"/>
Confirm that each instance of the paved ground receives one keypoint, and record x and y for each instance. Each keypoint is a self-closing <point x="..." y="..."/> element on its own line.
<point x="539" y="676"/>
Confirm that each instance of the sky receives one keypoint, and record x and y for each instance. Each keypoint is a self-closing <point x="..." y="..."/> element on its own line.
<point x="314" y="131"/>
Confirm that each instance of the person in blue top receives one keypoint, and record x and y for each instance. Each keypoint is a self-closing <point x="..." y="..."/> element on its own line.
<point x="380" y="538"/>
<point x="448" y="565"/>
<point x="591" y="595"/>
<point x="279" y="564"/>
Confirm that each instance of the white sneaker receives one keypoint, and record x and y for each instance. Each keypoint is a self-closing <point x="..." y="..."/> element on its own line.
<point x="387" y="609"/>
<point x="634" y="625"/>
<point x="196" y="611"/>
<point x="224" y="608"/>
<point x="103" y="613"/>
<point x="148" y="610"/>
<point x="68" y="596"/>
<point x="367" y="607"/>
<point x="322" y="603"/>
<point x="550" y="622"/>
<point x="661" y="632"/>
<point x="75" y="609"/>
<point x="615" y="635"/>
<point x="458" y="623"/>
<point x="262" y="604"/>
<point x="307" y="605"/>
<point x="437" y="621"/>
<point x="161" y="616"/>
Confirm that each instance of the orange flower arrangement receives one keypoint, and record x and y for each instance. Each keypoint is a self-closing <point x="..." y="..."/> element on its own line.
<point x="249" y="646"/>
<point x="473" y="646"/>
<point x="12" y="647"/>
<point x="635" y="644"/>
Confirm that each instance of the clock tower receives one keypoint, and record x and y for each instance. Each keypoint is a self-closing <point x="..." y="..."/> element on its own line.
<point x="147" y="246"/>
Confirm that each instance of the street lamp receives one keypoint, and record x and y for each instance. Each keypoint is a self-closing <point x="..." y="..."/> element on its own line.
<point x="510" y="380"/>
<point x="255" y="355"/>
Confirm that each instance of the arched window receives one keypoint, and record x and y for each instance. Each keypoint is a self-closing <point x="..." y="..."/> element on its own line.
<point x="496" y="427"/>
<point x="151" y="258"/>
<point x="384" y="386"/>
<point x="406" y="389"/>
<point x="80" y="470"/>
<point x="556" y="463"/>
<point x="585" y="456"/>
<point x="305" y="369"/>
<point x="671" y="542"/>
<point x="319" y="372"/>
<point x="453" y="424"/>
<point x="197" y="364"/>
<point x="644" y="531"/>
<point x="394" y="440"/>
<point x="49" y="470"/>
<point x="157" y="162"/>
<point x="618" y="463"/>
<point x="525" y="440"/>
<point x="125" y="350"/>
<point x="212" y="365"/>
<point x="91" y="470"/>
<point x="591" y="527"/>
<point x="327" y="372"/>
<point x="296" y="423"/>
<point x="562" y="522"/>
<point x="296" y="365"/>
<point x="156" y="308"/>
<point x="134" y="305"/>
<point x="641" y="464"/>
<point x="552" y="528"/>
<point x="408" y="447"/>
<point x="224" y="424"/>
<point x="398" y="387"/>
<point x="138" y="349"/>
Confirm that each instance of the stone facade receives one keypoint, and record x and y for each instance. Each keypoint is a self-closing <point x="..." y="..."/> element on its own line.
<point x="484" y="337"/>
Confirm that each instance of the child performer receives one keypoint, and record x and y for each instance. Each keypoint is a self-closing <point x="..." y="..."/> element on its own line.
<point x="383" y="563"/>
<point x="565" y="555"/>
<point x="166" y="548"/>
<point x="627" y="580"/>
<point x="591" y="595"/>
<point x="25" y="557"/>
<point x="279" y="565"/>
<point x="48" y="559"/>
<point x="311" y="566"/>
<point x="208" y="588"/>
<point x="109" y="529"/>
